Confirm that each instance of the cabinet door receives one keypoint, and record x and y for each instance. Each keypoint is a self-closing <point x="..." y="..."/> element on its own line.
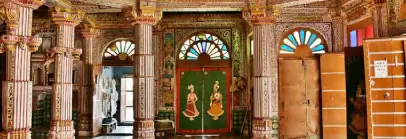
<point x="293" y="101"/>
<point x="399" y="93"/>
<point x="380" y="109"/>
<point x="334" y="102"/>
<point x="312" y="88"/>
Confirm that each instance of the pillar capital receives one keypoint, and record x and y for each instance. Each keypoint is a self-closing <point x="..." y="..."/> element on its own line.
<point x="10" y="42"/>
<point x="258" y="14"/>
<point x="65" y="16"/>
<point x="34" y="4"/>
<point x="143" y="14"/>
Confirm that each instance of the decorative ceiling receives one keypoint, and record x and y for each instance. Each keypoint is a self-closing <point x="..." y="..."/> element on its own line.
<point x="112" y="6"/>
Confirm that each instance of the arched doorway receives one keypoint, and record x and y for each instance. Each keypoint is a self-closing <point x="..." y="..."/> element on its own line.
<point x="113" y="89"/>
<point x="203" y="79"/>
<point x="299" y="83"/>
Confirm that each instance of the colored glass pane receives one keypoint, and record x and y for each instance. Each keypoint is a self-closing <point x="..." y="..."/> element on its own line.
<point x="204" y="43"/>
<point x="302" y="37"/>
<point x="353" y="38"/>
<point x="369" y="31"/>
<point x="125" y="47"/>
<point x="360" y="36"/>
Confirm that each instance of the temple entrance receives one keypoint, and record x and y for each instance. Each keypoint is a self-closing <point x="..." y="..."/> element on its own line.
<point x="203" y="80"/>
<point x="113" y="94"/>
<point x="299" y="94"/>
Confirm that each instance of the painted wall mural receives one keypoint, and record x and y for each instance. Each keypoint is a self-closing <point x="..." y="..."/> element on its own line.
<point x="169" y="65"/>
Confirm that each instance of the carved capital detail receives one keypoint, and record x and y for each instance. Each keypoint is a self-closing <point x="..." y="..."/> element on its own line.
<point x="63" y="16"/>
<point x="10" y="42"/>
<point x="261" y="14"/>
<point x="143" y="15"/>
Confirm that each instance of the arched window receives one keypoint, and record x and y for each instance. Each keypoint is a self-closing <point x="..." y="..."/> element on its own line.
<point x="302" y="37"/>
<point x="204" y="43"/>
<point x="121" y="49"/>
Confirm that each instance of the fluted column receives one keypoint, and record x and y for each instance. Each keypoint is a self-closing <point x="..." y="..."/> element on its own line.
<point x="143" y="18"/>
<point x="85" y="119"/>
<point x="17" y="44"/>
<point x="265" y="74"/>
<point x="265" y="79"/>
<point x="380" y="18"/>
<point x="61" y="117"/>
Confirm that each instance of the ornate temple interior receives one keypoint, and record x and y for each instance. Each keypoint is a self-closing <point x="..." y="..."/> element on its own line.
<point x="263" y="69"/>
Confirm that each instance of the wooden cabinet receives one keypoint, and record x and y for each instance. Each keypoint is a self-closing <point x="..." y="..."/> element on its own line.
<point x="299" y="97"/>
<point x="385" y="87"/>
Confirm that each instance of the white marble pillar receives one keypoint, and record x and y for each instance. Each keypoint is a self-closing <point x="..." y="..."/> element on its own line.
<point x="18" y="44"/>
<point x="85" y="118"/>
<point x="265" y="80"/>
<point x="143" y="82"/>
<point x="61" y="116"/>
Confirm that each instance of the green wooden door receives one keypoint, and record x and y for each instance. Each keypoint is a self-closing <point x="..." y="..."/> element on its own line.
<point x="207" y="109"/>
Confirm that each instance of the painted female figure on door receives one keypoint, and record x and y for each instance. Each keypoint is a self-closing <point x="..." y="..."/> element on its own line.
<point x="358" y="116"/>
<point x="191" y="110"/>
<point x="216" y="105"/>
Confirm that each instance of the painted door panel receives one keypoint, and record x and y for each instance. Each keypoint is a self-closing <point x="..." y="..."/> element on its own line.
<point x="188" y="78"/>
<point x="203" y="83"/>
<point x="213" y="123"/>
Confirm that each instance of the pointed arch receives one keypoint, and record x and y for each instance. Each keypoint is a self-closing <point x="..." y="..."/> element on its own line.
<point x="204" y="43"/>
<point x="302" y="38"/>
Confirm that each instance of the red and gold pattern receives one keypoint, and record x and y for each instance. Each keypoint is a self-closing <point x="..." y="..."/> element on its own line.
<point x="143" y="14"/>
<point x="9" y="41"/>
<point x="144" y="129"/>
<point x="262" y="128"/>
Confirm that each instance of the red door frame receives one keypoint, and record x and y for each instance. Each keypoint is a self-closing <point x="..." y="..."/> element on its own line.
<point x="229" y="101"/>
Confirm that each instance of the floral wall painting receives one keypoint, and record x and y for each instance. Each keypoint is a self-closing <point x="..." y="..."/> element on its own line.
<point x="169" y="61"/>
<point x="191" y="111"/>
<point x="169" y="65"/>
<point x="216" y="105"/>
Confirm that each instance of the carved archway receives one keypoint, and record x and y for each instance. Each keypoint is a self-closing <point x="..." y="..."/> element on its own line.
<point x="118" y="52"/>
<point x="302" y="42"/>
<point x="203" y="70"/>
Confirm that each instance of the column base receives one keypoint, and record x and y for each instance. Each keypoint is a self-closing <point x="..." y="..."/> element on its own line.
<point x="144" y="129"/>
<point x="85" y="125"/>
<point x="262" y="128"/>
<point x="16" y="134"/>
<point x="62" y="129"/>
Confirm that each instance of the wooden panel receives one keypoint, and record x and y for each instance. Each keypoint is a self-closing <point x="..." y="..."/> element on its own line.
<point x="333" y="78"/>
<point x="292" y="110"/>
<point x="312" y="77"/>
<point x="331" y="132"/>
<point x="385" y="112"/>
<point x="335" y="100"/>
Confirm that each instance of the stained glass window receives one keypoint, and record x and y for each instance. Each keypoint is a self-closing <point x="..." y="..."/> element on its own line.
<point x="121" y="48"/>
<point x="204" y="43"/>
<point x="302" y="37"/>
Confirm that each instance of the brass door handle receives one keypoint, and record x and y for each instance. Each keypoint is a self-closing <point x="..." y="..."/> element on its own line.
<point x="387" y="95"/>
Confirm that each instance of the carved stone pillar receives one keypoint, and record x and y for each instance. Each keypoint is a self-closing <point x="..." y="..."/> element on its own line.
<point x="338" y="26"/>
<point x="143" y="97"/>
<point x="380" y="18"/>
<point x="85" y="120"/>
<point x="17" y="44"/>
<point x="265" y="77"/>
<point x="61" y="118"/>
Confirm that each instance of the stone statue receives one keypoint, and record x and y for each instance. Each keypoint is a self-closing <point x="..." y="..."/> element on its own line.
<point x="113" y="98"/>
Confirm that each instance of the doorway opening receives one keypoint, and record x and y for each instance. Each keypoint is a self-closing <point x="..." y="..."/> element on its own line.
<point x="204" y="74"/>
<point x="115" y="90"/>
